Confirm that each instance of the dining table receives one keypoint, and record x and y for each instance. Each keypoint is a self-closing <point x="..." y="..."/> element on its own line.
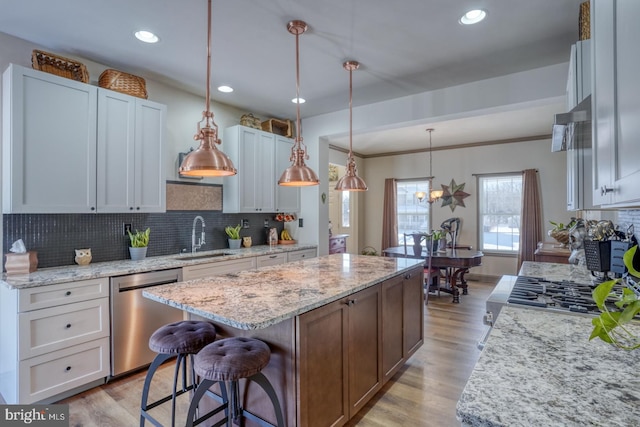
<point x="455" y="261"/>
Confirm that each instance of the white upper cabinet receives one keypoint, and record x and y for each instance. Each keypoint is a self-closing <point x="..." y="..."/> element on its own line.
<point x="616" y="90"/>
<point x="48" y="143"/>
<point x="579" y="78"/>
<point x="255" y="188"/>
<point x="70" y="147"/>
<point x="130" y="154"/>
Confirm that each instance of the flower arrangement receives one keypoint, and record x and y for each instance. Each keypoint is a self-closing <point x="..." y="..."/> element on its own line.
<point x="284" y="217"/>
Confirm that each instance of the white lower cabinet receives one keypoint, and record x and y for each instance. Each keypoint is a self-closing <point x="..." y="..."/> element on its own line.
<point x="271" y="259"/>
<point x="301" y="254"/>
<point x="55" y="339"/>
<point x="199" y="271"/>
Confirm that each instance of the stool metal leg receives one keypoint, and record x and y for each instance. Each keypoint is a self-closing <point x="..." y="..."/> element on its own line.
<point x="263" y="382"/>
<point x="203" y="388"/>
<point x="157" y="361"/>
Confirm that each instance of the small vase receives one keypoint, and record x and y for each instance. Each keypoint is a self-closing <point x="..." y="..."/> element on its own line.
<point x="417" y="249"/>
<point x="137" y="253"/>
<point x="234" y="243"/>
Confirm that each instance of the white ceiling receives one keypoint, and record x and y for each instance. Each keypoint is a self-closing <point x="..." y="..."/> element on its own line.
<point x="404" y="47"/>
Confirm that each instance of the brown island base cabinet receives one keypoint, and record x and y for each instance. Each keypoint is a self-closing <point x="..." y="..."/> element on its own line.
<point x="327" y="362"/>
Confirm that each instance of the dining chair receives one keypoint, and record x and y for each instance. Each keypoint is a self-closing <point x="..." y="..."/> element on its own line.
<point x="431" y="274"/>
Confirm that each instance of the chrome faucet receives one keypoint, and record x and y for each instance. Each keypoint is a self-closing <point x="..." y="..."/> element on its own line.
<point x="201" y="242"/>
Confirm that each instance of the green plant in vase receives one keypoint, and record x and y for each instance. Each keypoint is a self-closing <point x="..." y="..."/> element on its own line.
<point x="234" y="236"/>
<point x="139" y="242"/>
<point x="139" y="239"/>
<point x="613" y="327"/>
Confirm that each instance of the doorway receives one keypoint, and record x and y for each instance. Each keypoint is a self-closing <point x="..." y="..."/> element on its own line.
<point x="343" y="206"/>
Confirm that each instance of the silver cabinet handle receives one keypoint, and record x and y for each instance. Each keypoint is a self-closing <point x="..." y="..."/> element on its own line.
<point x="604" y="190"/>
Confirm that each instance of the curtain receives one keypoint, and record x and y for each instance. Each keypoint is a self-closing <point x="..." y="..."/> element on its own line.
<point x="389" y="217"/>
<point x="531" y="217"/>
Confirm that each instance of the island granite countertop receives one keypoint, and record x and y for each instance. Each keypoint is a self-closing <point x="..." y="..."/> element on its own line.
<point x="71" y="273"/>
<point x="540" y="369"/>
<point x="256" y="299"/>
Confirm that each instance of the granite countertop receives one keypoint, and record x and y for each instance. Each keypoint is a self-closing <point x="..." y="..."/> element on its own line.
<point x="553" y="271"/>
<point x="70" y="273"/>
<point x="260" y="298"/>
<point x="540" y="369"/>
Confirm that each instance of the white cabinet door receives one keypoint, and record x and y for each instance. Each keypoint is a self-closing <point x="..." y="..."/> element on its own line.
<point x="287" y="198"/>
<point x="49" y="143"/>
<point x="253" y="153"/>
<point x="626" y="154"/>
<point x="130" y="151"/>
<point x="602" y="98"/>
<point x="616" y="160"/>
<point x="149" y="176"/>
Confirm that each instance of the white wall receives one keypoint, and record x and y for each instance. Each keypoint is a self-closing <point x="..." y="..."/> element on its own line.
<point x="460" y="165"/>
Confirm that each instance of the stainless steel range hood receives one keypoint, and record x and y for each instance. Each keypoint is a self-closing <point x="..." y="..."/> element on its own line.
<point x="564" y="125"/>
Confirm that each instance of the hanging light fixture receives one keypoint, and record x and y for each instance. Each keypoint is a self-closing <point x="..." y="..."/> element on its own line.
<point x="207" y="160"/>
<point x="434" y="195"/>
<point x="298" y="174"/>
<point x="351" y="181"/>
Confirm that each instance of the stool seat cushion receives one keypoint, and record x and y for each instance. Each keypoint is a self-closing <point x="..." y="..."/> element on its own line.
<point x="187" y="336"/>
<point x="230" y="359"/>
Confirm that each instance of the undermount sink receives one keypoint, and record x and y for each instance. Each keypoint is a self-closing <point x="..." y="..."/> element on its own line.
<point x="202" y="256"/>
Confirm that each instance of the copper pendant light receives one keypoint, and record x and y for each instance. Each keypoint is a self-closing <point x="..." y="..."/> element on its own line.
<point x="351" y="181"/>
<point x="207" y="160"/>
<point x="434" y="195"/>
<point x="298" y="174"/>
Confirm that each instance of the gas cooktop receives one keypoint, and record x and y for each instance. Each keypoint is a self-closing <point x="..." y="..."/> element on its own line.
<point x="556" y="295"/>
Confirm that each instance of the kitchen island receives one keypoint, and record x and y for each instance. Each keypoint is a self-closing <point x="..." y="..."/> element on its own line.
<point x="539" y="369"/>
<point x="339" y="326"/>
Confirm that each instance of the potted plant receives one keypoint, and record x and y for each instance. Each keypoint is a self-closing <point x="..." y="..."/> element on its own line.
<point x="234" y="236"/>
<point x="139" y="242"/>
<point x="613" y="326"/>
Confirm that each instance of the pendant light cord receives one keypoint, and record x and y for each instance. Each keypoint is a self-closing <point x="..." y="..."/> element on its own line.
<point x="298" y="137"/>
<point x="350" y="113"/>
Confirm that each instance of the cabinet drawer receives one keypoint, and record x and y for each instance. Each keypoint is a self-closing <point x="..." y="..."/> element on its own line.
<point x="216" y="268"/>
<point x="62" y="293"/>
<point x="59" y="371"/>
<point x="303" y="254"/>
<point x="55" y="328"/>
<point x="272" y="259"/>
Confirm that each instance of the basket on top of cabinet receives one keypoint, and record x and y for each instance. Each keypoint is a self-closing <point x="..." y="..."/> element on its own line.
<point x="123" y="82"/>
<point x="59" y="66"/>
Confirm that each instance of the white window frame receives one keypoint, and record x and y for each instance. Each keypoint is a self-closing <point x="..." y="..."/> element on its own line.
<point x="499" y="222"/>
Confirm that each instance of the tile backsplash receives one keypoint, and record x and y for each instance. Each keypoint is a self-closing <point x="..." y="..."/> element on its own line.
<point x="56" y="236"/>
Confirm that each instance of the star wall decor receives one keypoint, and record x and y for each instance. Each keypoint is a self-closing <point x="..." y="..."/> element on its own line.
<point x="453" y="195"/>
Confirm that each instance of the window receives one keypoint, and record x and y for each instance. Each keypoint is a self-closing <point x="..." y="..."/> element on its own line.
<point x="412" y="215"/>
<point x="500" y="202"/>
<point x="346" y="209"/>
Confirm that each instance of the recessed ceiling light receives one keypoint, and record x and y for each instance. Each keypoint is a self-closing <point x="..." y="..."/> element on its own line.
<point x="473" y="17"/>
<point x="298" y="100"/>
<point x="225" y="89"/>
<point x="146" y="36"/>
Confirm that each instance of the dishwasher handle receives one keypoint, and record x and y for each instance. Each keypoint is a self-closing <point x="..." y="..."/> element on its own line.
<point x="146" y="285"/>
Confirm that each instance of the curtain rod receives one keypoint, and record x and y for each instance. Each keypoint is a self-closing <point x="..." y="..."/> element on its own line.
<point x="498" y="173"/>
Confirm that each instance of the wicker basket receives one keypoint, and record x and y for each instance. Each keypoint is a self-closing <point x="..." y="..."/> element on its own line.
<point x="277" y="126"/>
<point x="250" y="121"/>
<point x="59" y="65"/>
<point x="123" y="83"/>
<point x="584" y="21"/>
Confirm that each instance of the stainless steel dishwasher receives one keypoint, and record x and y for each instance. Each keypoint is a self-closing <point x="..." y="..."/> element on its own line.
<point x="134" y="318"/>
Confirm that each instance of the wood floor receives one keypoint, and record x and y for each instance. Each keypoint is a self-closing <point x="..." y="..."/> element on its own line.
<point x="423" y="393"/>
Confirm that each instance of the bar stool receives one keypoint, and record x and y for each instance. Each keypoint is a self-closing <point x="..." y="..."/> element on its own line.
<point x="181" y="340"/>
<point x="225" y="362"/>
